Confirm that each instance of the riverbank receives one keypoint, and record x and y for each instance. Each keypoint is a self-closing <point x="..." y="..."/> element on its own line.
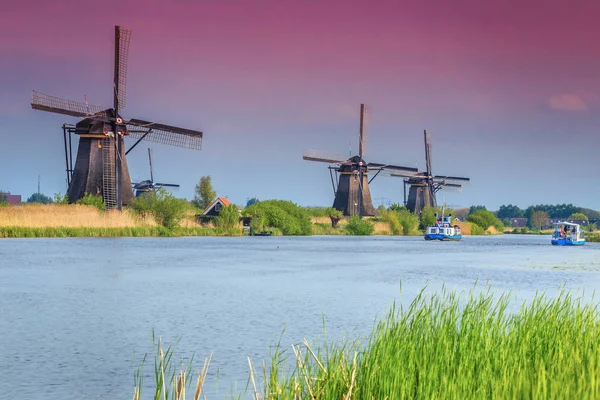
<point x="446" y="345"/>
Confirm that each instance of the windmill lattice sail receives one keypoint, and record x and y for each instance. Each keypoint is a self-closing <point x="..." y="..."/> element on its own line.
<point x="101" y="164"/>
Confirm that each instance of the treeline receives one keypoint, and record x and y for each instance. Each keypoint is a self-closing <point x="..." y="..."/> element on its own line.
<point x="553" y="211"/>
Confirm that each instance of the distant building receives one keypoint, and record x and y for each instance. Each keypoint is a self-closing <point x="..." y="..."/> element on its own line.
<point x="214" y="209"/>
<point x="581" y="222"/>
<point x="518" y="222"/>
<point x="12" y="199"/>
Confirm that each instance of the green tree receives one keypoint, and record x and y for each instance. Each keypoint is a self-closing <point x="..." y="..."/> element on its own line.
<point x="39" y="198"/>
<point x="89" y="199"/>
<point x="228" y="218"/>
<point x="427" y="217"/>
<point x="579" y="216"/>
<point x="283" y="215"/>
<point x="204" y="193"/>
<point x="509" y="211"/>
<point x="359" y="226"/>
<point x="484" y="219"/>
<point x="59" y="198"/>
<point x="334" y="215"/>
<point x="166" y="209"/>
<point x="539" y="219"/>
<point x="474" y="209"/>
<point x="397" y="207"/>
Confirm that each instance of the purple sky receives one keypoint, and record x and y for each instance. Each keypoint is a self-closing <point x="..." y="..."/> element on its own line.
<point x="509" y="90"/>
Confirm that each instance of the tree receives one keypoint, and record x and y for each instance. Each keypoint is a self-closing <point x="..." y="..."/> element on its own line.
<point x="204" y="193"/>
<point x="484" y="219"/>
<point x="228" y="218"/>
<point x="509" y="211"/>
<point x="539" y="218"/>
<point x="39" y="198"/>
<point x="579" y="215"/>
<point x="474" y="209"/>
<point x="166" y="209"/>
<point x="251" y="201"/>
<point x="427" y="217"/>
<point x="334" y="215"/>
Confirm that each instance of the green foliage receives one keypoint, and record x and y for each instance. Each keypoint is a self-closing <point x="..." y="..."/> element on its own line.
<point x="166" y="209"/>
<point x="401" y="222"/>
<point x="204" y="193"/>
<point x="578" y="216"/>
<point x="474" y="209"/>
<point x="151" y="231"/>
<point x="359" y="226"/>
<point x="317" y="211"/>
<point x="59" y="198"/>
<point x="538" y="219"/>
<point x="397" y="207"/>
<point x="506" y="223"/>
<point x="428" y="216"/>
<point x="3" y="201"/>
<point x="509" y="211"/>
<point x="89" y="199"/>
<point x="334" y="215"/>
<point x="286" y="216"/>
<point x="228" y="218"/>
<point x="484" y="219"/>
<point x="39" y="198"/>
<point x="476" y="229"/>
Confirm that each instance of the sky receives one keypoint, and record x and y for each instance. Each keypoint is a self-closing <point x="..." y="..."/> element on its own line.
<point x="510" y="91"/>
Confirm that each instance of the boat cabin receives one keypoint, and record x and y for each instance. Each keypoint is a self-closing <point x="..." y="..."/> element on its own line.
<point x="567" y="233"/>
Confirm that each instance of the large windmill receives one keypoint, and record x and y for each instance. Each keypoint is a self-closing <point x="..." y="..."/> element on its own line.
<point x="101" y="166"/>
<point x="424" y="185"/>
<point x="352" y="194"/>
<point x="149" y="185"/>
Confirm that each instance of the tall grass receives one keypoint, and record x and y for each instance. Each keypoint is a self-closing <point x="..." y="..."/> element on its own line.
<point x="451" y="346"/>
<point x="148" y="231"/>
<point x="592" y="237"/>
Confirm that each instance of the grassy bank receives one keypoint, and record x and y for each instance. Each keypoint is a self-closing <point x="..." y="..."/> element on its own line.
<point x="592" y="237"/>
<point x="151" y="231"/>
<point x="446" y="346"/>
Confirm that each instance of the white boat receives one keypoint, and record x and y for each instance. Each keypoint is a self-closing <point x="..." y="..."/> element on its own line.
<point x="443" y="230"/>
<point x="567" y="234"/>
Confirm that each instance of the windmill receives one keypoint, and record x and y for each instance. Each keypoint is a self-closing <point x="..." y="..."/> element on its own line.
<point x="424" y="185"/>
<point x="352" y="194"/>
<point x="101" y="166"/>
<point x="149" y="185"/>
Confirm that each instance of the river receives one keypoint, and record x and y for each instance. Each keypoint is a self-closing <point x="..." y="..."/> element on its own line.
<point x="77" y="315"/>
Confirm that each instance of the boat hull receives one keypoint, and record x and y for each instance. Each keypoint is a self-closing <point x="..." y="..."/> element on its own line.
<point x="442" y="237"/>
<point x="565" y="242"/>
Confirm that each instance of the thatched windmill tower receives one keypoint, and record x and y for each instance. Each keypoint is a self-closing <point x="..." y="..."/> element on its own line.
<point x="424" y="185"/>
<point x="101" y="165"/>
<point x="352" y="194"/>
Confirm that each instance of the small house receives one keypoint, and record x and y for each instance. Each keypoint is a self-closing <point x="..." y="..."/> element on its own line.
<point x="518" y="222"/>
<point x="214" y="209"/>
<point x="12" y="199"/>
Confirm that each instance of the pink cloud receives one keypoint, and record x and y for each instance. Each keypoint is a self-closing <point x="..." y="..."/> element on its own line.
<point x="567" y="102"/>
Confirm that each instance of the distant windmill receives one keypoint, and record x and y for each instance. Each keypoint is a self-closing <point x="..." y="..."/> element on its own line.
<point x="424" y="185"/>
<point x="101" y="166"/>
<point x="149" y="185"/>
<point x="352" y="194"/>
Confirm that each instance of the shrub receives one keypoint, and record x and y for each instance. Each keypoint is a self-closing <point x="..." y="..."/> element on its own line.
<point x="166" y="209"/>
<point x="358" y="226"/>
<point x="89" y="199"/>
<point x="281" y="214"/>
<point x="334" y="215"/>
<point x="485" y="219"/>
<point x="427" y="217"/>
<point x="228" y="218"/>
<point x="61" y="199"/>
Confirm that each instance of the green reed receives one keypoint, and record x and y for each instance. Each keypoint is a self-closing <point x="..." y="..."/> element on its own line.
<point x="449" y="345"/>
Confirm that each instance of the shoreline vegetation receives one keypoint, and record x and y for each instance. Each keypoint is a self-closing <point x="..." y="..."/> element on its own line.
<point x="443" y="345"/>
<point x="34" y="220"/>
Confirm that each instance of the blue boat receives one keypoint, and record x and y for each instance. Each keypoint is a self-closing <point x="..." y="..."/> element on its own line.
<point x="443" y="230"/>
<point x="567" y="234"/>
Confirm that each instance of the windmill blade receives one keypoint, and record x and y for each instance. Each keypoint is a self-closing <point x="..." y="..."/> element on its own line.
<point x="164" y="134"/>
<point x="320" y="156"/>
<point x="451" y="178"/>
<point x="167" y="185"/>
<point x="363" y="139"/>
<point x="406" y="175"/>
<point x="122" y="38"/>
<point x="150" y="160"/>
<point x="53" y="104"/>
<point x="427" y="151"/>
<point x="393" y="168"/>
<point x="450" y="186"/>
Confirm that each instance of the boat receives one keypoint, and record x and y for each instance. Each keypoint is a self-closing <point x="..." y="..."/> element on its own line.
<point x="443" y="230"/>
<point x="567" y="234"/>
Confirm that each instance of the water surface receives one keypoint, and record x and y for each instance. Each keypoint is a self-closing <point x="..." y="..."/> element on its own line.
<point x="77" y="315"/>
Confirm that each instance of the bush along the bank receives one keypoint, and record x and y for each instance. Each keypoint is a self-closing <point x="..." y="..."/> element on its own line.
<point x="166" y="209"/>
<point x="359" y="226"/>
<point x="284" y="215"/>
<point x="484" y="219"/>
<point x="229" y="219"/>
<point x="88" y="199"/>
<point x="401" y="221"/>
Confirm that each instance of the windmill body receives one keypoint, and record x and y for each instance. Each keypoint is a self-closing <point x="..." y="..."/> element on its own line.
<point x="352" y="193"/>
<point x="424" y="185"/>
<point x="149" y="185"/>
<point x="101" y="164"/>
